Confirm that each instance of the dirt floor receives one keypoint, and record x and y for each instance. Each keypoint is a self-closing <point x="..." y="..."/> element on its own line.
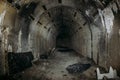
<point x="55" y="68"/>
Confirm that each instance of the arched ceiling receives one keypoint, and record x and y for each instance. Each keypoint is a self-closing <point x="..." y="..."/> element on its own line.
<point x="72" y="14"/>
<point x="60" y="14"/>
<point x="60" y="17"/>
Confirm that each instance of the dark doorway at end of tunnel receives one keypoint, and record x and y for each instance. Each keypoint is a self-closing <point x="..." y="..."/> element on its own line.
<point x="63" y="40"/>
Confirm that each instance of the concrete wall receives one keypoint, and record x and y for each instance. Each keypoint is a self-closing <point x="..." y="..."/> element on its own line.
<point x="5" y="27"/>
<point x="81" y="41"/>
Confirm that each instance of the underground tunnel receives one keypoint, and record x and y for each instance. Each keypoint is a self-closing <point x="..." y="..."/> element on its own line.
<point x="59" y="39"/>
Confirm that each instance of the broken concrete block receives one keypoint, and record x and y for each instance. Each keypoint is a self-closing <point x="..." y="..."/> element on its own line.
<point x="111" y="75"/>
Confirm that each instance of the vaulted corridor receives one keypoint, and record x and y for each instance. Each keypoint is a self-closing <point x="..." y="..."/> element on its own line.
<point x="58" y="39"/>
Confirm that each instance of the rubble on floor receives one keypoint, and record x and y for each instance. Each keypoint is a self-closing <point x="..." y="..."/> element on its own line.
<point x="78" y="68"/>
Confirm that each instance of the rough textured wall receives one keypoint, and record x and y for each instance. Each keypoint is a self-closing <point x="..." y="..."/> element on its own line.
<point x="106" y="38"/>
<point x="113" y="48"/>
<point x="108" y="51"/>
<point x="29" y="35"/>
<point x="81" y="41"/>
<point x="42" y="41"/>
<point x="5" y="27"/>
<point x="103" y="45"/>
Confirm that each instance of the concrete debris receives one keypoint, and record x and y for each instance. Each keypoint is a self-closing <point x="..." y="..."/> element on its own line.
<point x="111" y="75"/>
<point x="52" y="51"/>
<point x="78" y="68"/>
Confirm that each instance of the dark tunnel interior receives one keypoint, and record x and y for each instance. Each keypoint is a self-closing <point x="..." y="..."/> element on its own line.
<point x="59" y="39"/>
<point x="64" y="38"/>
